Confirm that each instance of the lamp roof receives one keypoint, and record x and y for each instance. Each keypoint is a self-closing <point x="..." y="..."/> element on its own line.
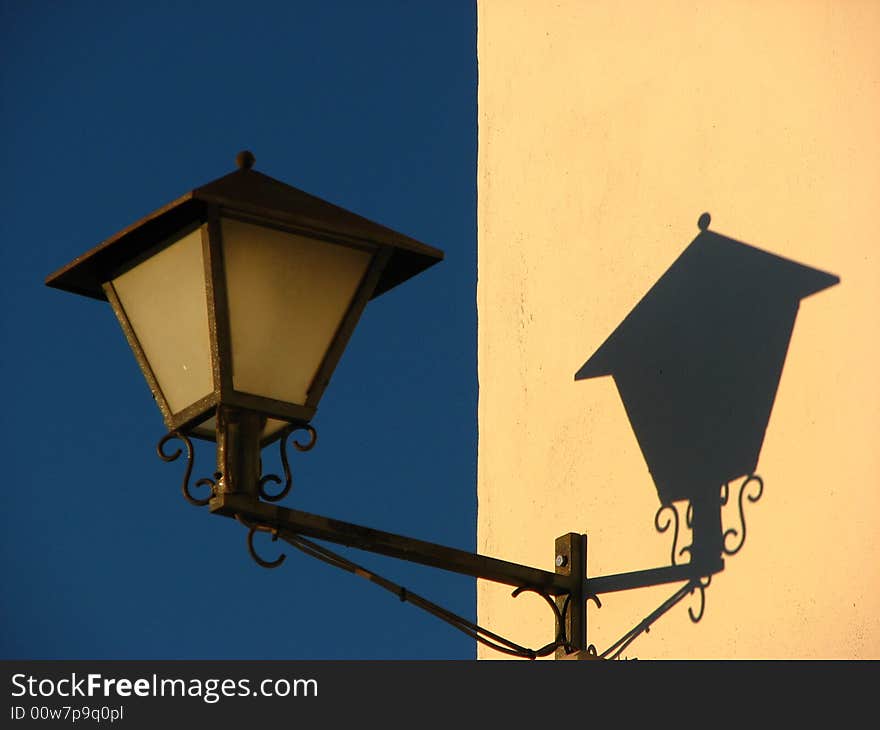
<point x="252" y="193"/>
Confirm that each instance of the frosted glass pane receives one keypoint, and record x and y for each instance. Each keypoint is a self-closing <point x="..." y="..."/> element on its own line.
<point x="166" y="303"/>
<point x="287" y="297"/>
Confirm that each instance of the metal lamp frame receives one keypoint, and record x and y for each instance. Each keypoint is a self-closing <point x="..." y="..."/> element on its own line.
<point x="239" y="490"/>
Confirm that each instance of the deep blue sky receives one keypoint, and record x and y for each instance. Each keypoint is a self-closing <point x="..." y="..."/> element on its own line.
<point x="112" y="109"/>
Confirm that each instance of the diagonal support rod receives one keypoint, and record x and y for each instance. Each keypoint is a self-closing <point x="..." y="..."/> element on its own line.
<point x="480" y="634"/>
<point x="387" y="543"/>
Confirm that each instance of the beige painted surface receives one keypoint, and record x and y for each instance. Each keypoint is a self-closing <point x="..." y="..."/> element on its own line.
<point x="605" y="130"/>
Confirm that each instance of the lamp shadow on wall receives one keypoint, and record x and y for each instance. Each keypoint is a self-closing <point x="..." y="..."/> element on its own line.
<point x="697" y="364"/>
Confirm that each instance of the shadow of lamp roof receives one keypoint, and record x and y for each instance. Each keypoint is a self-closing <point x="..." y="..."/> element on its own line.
<point x="698" y="360"/>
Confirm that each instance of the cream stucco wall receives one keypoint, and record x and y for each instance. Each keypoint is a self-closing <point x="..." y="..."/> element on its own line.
<point x="605" y="130"/>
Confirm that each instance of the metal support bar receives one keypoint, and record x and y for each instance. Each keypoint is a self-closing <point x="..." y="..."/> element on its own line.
<point x="571" y="562"/>
<point x="440" y="556"/>
<point x="484" y="636"/>
<point x="238" y="450"/>
<point x="387" y="543"/>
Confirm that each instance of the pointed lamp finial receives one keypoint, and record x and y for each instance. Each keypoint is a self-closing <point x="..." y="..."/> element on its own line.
<point x="245" y="160"/>
<point x="705" y="220"/>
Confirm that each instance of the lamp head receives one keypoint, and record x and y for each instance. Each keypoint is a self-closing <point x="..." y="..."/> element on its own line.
<point x="243" y="292"/>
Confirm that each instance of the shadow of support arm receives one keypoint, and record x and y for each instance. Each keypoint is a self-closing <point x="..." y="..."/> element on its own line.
<point x="646" y="578"/>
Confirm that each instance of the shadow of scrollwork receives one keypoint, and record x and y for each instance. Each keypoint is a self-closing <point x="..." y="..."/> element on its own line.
<point x="700" y="587"/>
<point x="667" y="517"/>
<point x="672" y="520"/>
<point x="732" y="539"/>
<point x="741" y="533"/>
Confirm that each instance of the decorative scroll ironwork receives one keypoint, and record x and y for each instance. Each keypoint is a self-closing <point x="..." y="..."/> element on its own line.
<point x="205" y="482"/>
<point x="285" y="464"/>
<point x="741" y="533"/>
<point x="673" y="520"/>
<point x="561" y="640"/>
<point x="252" y="530"/>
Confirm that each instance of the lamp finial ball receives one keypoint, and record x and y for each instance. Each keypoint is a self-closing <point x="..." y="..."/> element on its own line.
<point x="245" y="160"/>
<point x="703" y="223"/>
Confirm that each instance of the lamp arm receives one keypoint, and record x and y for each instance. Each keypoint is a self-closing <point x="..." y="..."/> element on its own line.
<point x="569" y="585"/>
<point x="293" y="526"/>
<point x="296" y="522"/>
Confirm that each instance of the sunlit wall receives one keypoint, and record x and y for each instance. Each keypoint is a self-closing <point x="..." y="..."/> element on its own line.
<point x="605" y="130"/>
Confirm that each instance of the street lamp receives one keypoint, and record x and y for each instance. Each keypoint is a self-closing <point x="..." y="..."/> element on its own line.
<point x="264" y="284"/>
<point x="238" y="300"/>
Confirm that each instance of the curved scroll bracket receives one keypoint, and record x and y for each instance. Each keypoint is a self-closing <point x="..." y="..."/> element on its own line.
<point x="561" y="640"/>
<point x="173" y="456"/>
<point x="252" y="530"/>
<point x="285" y="463"/>
<point x="739" y="535"/>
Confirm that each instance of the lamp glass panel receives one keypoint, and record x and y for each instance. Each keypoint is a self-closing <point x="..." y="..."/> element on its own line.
<point x="287" y="297"/>
<point x="165" y="300"/>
